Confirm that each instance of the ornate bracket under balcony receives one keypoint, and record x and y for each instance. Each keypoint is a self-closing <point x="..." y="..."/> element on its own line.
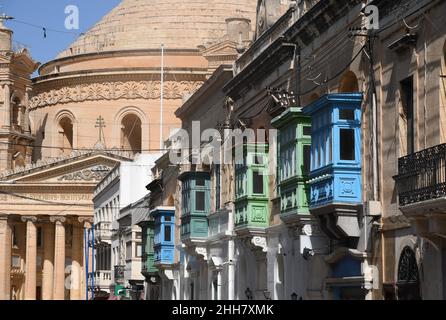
<point x="202" y="252"/>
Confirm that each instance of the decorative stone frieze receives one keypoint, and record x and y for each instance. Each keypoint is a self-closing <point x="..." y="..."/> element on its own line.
<point x="114" y="91"/>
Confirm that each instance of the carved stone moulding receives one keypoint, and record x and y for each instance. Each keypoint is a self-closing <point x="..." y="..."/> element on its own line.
<point x="114" y="91"/>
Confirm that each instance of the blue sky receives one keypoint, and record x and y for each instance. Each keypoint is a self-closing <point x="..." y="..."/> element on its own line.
<point x="50" y="14"/>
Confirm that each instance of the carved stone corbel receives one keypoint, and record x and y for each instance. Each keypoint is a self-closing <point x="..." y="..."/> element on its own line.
<point x="260" y="242"/>
<point x="202" y="251"/>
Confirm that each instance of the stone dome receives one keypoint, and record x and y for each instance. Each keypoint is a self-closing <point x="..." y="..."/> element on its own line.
<point x="146" y="24"/>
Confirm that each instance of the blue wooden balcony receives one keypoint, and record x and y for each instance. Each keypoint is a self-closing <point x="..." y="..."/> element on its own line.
<point x="335" y="176"/>
<point x="164" y="235"/>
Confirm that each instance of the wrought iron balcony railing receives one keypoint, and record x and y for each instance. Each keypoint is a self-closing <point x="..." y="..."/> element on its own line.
<point x="422" y="175"/>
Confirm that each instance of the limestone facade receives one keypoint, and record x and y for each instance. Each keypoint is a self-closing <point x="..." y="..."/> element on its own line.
<point x="99" y="102"/>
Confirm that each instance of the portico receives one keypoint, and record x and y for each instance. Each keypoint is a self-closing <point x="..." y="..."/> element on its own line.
<point x="45" y="212"/>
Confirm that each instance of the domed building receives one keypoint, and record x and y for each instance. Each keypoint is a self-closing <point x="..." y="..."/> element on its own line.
<point x="114" y="72"/>
<point x="108" y="97"/>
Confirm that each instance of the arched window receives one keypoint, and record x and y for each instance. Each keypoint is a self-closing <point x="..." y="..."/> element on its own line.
<point x="66" y="134"/>
<point x="349" y="82"/>
<point x="408" y="276"/>
<point x="131" y="133"/>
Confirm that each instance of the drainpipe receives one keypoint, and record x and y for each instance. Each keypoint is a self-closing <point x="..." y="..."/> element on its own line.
<point x="231" y="255"/>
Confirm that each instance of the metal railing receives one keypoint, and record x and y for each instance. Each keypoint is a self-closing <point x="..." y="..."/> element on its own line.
<point x="422" y="175"/>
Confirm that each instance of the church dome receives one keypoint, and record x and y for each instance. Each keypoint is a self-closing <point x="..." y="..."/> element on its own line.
<point x="146" y="24"/>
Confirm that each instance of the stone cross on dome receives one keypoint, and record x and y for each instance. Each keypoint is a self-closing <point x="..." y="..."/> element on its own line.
<point x="100" y="123"/>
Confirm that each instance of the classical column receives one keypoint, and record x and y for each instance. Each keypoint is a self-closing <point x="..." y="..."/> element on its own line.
<point x="76" y="262"/>
<point x="48" y="261"/>
<point x="87" y="223"/>
<point x="219" y="283"/>
<point x="31" y="256"/>
<point x="59" y="258"/>
<point x="7" y="104"/>
<point x="5" y="258"/>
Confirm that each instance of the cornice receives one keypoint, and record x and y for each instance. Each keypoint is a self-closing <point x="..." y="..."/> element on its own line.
<point x="120" y="53"/>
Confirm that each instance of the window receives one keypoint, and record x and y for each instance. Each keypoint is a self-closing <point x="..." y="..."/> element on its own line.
<point x="307" y="131"/>
<point x="347" y="114"/>
<point x="128" y="253"/>
<point x="15" y="262"/>
<point x="257" y="159"/>
<point x="199" y="182"/>
<point x="307" y="159"/>
<point x="167" y="233"/>
<point x="199" y="200"/>
<point x="131" y="133"/>
<point x="66" y="134"/>
<point x="347" y="144"/>
<point x="15" y="241"/>
<point x="139" y="251"/>
<point x="257" y="182"/>
<point x="408" y="112"/>
<point x="167" y="218"/>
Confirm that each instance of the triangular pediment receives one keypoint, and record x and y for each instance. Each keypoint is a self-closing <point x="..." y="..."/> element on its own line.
<point x="88" y="168"/>
<point x="25" y="62"/>
<point x="226" y="47"/>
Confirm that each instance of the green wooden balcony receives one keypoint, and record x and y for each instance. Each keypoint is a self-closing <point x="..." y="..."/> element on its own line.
<point x="293" y="158"/>
<point x="251" y="188"/>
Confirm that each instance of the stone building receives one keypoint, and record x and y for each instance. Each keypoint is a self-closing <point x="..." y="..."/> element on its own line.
<point x="114" y="71"/>
<point x="99" y="102"/>
<point x="411" y="80"/>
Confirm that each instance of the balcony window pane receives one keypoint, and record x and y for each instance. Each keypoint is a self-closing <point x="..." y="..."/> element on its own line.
<point x="347" y="114"/>
<point x="347" y="144"/>
<point x="307" y="157"/>
<point x="167" y="234"/>
<point x="128" y="254"/>
<point x="199" y="201"/>
<point x="257" y="182"/>
<point x="307" y="131"/>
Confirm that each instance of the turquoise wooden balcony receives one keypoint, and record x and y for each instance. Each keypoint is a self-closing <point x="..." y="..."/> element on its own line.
<point x="195" y="186"/>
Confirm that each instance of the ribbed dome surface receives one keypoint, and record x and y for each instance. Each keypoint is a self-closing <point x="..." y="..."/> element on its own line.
<point x="145" y="24"/>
